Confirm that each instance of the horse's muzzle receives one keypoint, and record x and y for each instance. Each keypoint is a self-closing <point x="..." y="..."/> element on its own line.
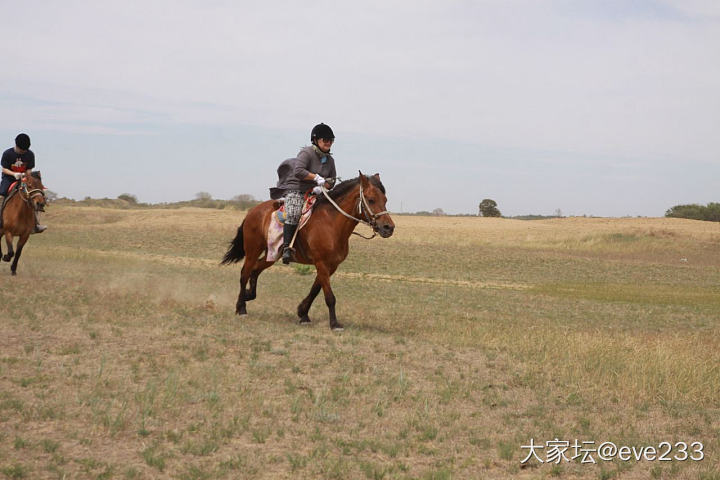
<point x="386" y="230"/>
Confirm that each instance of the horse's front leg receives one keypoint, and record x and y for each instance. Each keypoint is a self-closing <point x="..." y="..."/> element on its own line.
<point x="8" y="241"/>
<point x="304" y="306"/>
<point x="21" y="244"/>
<point x="323" y="277"/>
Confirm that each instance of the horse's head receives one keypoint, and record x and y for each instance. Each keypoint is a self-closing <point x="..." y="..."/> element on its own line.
<point x="373" y="201"/>
<point x="35" y="190"/>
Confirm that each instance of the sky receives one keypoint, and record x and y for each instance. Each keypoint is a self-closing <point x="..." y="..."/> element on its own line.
<point x="605" y="108"/>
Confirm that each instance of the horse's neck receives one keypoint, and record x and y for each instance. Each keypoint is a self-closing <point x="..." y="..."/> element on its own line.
<point x="16" y="198"/>
<point x="349" y="205"/>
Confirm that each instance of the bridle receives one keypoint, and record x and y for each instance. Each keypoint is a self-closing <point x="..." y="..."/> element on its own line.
<point x="363" y="208"/>
<point x="28" y="195"/>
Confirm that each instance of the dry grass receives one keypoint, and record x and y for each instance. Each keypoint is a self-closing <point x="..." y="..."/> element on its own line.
<point x="121" y="357"/>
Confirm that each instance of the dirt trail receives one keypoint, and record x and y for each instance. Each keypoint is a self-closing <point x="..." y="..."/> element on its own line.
<point x="205" y="262"/>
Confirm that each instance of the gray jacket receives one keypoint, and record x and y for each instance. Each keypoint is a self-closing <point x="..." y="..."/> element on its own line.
<point x="292" y="171"/>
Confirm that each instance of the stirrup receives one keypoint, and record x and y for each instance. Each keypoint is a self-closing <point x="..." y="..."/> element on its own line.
<point x="287" y="255"/>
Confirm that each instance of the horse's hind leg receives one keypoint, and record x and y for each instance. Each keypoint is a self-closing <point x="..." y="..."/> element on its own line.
<point x="21" y="244"/>
<point x="250" y="271"/>
<point x="8" y="241"/>
<point x="259" y="267"/>
<point x="240" y="307"/>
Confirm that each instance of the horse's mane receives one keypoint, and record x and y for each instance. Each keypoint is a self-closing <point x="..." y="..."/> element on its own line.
<point x="346" y="186"/>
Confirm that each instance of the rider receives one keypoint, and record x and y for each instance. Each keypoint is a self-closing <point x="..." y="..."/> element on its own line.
<point x="17" y="161"/>
<point x="313" y="165"/>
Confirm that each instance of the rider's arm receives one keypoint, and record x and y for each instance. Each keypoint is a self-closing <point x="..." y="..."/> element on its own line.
<point x="302" y="164"/>
<point x="5" y="163"/>
<point x="301" y="168"/>
<point x="9" y="172"/>
<point x="314" y="177"/>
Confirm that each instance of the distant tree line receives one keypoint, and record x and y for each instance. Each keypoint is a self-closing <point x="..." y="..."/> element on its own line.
<point x="534" y="217"/>
<point x="709" y="212"/>
<point x="128" y="200"/>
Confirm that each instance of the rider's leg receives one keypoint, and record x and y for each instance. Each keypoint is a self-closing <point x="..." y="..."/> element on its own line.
<point x="293" y="209"/>
<point x="4" y="186"/>
<point x="288" y="232"/>
<point x="39" y="228"/>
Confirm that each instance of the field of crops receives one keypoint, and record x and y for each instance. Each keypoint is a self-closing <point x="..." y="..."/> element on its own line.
<point x="465" y="340"/>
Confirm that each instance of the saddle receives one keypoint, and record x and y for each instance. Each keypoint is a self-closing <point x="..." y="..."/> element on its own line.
<point x="12" y="190"/>
<point x="275" y="229"/>
<point x="309" y="202"/>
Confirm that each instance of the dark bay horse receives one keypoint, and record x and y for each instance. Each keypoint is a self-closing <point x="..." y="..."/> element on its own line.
<point x="322" y="242"/>
<point x="19" y="215"/>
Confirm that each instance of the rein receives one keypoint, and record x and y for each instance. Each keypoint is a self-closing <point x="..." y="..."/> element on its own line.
<point x="29" y="194"/>
<point x="362" y="203"/>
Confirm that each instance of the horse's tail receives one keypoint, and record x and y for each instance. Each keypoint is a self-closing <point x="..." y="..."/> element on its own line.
<point x="236" y="252"/>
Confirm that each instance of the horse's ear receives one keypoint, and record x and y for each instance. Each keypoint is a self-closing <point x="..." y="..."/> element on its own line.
<point x="363" y="180"/>
<point x="377" y="175"/>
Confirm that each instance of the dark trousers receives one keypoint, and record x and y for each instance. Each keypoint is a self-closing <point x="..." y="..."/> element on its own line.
<point x="5" y="184"/>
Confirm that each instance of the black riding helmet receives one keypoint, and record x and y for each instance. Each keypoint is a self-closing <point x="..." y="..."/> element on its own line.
<point x="22" y="141"/>
<point x="321" y="131"/>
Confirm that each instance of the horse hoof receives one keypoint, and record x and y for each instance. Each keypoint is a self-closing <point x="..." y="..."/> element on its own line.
<point x="241" y="311"/>
<point x="305" y="320"/>
<point x="13" y="273"/>
<point x="337" y="328"/>
<point x="7" y="258"/>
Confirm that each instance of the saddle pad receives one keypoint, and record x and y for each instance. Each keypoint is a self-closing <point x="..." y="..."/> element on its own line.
<point x="275" y="229"/>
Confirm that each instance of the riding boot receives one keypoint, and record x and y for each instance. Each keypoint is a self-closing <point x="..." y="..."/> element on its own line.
<point x="39" y="228"/>
<point x="288" y="232"/>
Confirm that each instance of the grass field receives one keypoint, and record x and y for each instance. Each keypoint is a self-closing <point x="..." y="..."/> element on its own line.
<point x="121" y="356"/>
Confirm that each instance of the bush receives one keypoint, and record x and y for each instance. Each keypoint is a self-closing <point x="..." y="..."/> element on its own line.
<point x="128" y="197"/>
<point x="710" y="212"/>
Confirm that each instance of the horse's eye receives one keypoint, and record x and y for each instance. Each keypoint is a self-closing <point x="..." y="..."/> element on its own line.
<point x="371" y="201"/>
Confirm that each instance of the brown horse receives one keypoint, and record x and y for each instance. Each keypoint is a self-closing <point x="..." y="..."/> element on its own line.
<point x="322" y="242"/>
<point x="19" y="215"/>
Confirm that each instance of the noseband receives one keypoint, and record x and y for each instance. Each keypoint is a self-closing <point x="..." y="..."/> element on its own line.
<point x="28" y="195"/>
<point x="367" y="212"/>
<point x="363" y="208"/>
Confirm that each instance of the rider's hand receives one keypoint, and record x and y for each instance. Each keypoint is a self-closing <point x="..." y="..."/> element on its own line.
<point x="318" y="190"/>
<point x="319" y="180"/>
<point x="17" y="175"/>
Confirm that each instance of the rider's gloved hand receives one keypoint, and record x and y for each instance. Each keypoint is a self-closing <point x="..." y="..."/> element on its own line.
<point x="318" y="190"/>
<point x="319" y="180"/>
